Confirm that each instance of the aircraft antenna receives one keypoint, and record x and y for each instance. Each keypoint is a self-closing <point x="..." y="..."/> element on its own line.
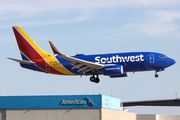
<point x="176" y="95"/>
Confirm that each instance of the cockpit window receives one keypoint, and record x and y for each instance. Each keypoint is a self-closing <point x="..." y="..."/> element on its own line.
<point x="163" y="56"/>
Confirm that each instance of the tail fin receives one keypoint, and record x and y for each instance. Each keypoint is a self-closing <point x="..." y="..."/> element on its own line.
<point x="33" y="56"/>
<point x="28" y="48"/>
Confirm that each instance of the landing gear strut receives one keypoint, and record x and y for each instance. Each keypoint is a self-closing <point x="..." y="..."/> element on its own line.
<point x="93" y="79"/>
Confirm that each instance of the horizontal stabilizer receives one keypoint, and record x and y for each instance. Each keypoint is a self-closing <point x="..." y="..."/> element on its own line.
<point x="22" y="61"/>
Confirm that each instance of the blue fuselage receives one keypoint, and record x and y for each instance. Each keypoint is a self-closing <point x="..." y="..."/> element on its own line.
<point x="131" y="61"/>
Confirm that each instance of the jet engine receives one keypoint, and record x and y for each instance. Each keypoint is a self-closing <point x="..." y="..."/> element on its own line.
<point x="123" y="75"/>
<point x="113" y="70"/>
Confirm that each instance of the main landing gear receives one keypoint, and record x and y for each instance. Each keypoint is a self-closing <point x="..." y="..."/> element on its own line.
<point x="93" y="79"/>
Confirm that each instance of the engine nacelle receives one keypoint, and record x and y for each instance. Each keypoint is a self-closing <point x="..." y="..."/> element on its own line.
<point x="113" y="70"/>
<point x="123" y="75"/>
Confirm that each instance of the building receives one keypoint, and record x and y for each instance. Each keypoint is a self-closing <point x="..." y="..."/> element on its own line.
<point x="158" y="117"/>
<point x="63" y="107"/>
<point x="165" y="102"/>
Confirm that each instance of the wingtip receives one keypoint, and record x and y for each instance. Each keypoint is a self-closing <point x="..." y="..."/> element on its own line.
<point x="54" y="49"/>
<point x="8" y="57"/>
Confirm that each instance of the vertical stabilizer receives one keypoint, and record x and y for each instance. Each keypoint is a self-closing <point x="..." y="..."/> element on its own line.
<point x="29" y="49"/>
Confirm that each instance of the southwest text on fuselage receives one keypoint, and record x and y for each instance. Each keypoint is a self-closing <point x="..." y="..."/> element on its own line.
<point x="117" y="58"/>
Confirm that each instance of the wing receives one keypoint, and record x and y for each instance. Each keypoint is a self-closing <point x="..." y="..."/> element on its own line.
<point x="82" y="65"/>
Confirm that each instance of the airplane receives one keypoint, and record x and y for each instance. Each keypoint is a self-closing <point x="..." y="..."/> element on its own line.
<point x="113" y="65"/>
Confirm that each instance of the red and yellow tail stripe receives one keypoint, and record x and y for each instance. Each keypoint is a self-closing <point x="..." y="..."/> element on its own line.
<point x="34" y="53"/>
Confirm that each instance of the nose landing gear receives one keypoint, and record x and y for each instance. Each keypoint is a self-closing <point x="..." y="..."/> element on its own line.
<point x="156" y="75"/>
<point x="93" y="79"/>
<point x="158" y="70"/>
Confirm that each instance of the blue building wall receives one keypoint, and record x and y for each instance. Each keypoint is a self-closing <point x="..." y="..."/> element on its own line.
<point x="62" y="101"/>
<point x="110" y="102"/>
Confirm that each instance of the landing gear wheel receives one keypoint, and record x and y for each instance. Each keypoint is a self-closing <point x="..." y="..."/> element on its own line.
<point x="92" y="79"/>
<point x="156" y="75"/>
<point x="97" y="80"/>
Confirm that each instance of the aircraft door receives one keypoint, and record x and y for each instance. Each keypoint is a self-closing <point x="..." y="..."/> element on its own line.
<point x="151" y="58"/>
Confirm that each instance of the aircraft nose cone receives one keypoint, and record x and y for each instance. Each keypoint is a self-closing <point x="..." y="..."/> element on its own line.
<point x="172" y="61"/>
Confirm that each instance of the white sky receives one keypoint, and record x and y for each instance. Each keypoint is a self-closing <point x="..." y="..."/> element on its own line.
<point x="89" y="27"/>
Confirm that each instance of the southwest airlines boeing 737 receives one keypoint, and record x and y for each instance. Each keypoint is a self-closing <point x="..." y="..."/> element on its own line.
<point x="112" y="65"/>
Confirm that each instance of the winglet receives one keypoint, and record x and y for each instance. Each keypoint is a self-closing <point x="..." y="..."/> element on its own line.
<point x="54" y="48"/>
